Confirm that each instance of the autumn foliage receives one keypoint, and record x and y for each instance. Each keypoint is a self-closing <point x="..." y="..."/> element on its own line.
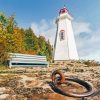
<point x="18" y="40"/>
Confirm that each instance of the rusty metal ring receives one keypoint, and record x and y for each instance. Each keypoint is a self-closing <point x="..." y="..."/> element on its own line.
<point x="61" y="80"/>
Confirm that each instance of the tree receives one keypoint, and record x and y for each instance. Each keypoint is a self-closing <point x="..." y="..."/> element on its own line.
<point x="31" y="41"/>
<point x="3" y="54"/>
<point x="7" y="43"/>
<point x="11" y="24"/>
<point x="3" y="20"/>
<point x="28" y="39"/>
<point x="49" y="50"/>
<point x="42" y="45"/>
<point x="19" y="43"/>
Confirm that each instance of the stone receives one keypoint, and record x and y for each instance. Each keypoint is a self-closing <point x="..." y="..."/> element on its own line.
<point x="4" y="96"/>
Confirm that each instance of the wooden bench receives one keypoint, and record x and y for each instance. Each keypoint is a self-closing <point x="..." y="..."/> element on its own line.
<point x="26" y="60"/>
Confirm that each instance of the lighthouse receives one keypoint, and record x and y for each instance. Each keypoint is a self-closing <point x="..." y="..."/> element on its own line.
<point x="64" y="46"/>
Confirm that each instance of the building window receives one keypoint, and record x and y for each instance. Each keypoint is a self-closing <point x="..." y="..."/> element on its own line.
<point x="62" y="35"/>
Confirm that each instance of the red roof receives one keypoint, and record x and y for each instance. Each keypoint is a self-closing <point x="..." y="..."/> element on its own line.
<point x="63" y="10"/>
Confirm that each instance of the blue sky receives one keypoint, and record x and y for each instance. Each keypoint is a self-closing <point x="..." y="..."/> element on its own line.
<point x="34" y="10"/>
<point x="40" y="16"/>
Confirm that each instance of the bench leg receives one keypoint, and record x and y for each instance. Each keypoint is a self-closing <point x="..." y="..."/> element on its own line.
<point x="83" y="98"/>
<point x="10" y="64"/>
<point x="48" y="65"/>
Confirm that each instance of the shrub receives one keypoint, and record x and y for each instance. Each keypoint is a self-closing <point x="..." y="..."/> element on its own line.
<point x="91" y="63"/>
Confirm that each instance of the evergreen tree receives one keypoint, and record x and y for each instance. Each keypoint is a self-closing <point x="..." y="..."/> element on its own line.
<point x="11" y="24"/>
<point x="49" y="50"/>
<point x="3" y="20"/>
<point x="28" y="39"/>
<point x="42" y="45"/>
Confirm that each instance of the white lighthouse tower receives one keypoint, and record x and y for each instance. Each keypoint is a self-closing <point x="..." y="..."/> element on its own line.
<point x="64" y="47"/>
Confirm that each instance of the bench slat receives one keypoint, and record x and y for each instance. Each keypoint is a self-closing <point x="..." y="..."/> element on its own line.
<point x="25" y="55"/>
<point x="28" y="62"/>
<point x="14" y="59"/>
<point x="28" y="57"/>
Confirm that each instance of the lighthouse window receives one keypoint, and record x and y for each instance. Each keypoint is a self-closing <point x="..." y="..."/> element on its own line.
<point x="62" y="35"/>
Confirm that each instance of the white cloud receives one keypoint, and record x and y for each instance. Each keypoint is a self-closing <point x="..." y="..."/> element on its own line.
<point x="78" y="28"/>
<point x="40" y="28"/>
<point x="88" y="48"/>
<point x="45" y="28"/>
<point x="81" y="27"/>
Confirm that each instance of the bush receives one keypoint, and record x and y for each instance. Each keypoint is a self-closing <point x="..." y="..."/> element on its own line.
<point x="91" y="63"/>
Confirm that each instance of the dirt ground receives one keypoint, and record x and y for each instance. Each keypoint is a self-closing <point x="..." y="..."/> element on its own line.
<point x="33" y="83"/>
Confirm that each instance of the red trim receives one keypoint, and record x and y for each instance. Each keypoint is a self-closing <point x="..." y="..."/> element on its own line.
<point x="62" y="30"/>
